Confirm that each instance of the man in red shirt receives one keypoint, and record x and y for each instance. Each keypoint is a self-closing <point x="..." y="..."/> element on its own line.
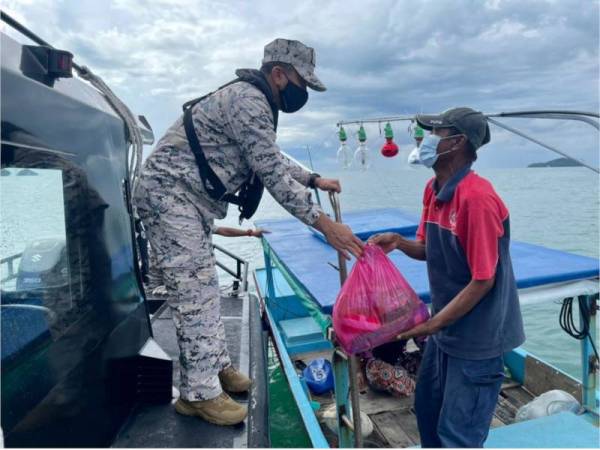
<point x="464" y="237"/>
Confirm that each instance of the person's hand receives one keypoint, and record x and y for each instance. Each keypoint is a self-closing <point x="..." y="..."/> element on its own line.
<point x="387" y="241"/>
<point x="424" y="329"/>
<point x="328" y="184"/>
<point x="340" y="237"/>
<point x="258" y="233"/>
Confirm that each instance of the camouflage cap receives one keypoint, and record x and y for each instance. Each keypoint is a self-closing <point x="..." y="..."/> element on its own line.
<point x="295" y="53"/>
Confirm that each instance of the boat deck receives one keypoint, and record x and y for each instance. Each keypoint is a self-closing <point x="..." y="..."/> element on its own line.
<point x="393" y="418"/>
<point x="159" y="426"/>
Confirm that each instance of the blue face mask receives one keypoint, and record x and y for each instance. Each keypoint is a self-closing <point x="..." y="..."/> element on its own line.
<point x="428" y="154"/>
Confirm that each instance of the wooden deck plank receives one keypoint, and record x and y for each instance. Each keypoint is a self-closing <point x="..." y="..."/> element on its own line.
<point x="377" y="439"/>
<point x="390" y="425"/>
<point x="409" y="425"/>
<point x="373" y="402"/>
<point x="496" y="422"/>
<point x="505" y="410"/>
<point x="518" y="396"/>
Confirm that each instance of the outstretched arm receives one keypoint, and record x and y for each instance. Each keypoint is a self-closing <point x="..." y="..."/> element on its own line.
<point x="237" y="232"/>
<point x="394" y="241"/>
<point x="251" y="123"/>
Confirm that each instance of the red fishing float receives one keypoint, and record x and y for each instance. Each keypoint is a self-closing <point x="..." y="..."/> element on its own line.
<point x="389" y="149"/>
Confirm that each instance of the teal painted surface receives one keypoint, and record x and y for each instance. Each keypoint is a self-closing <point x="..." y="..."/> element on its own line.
<point x="300" y="330"/>
<point x="303" y="335"/>
<point x="306" y="411"/>
<point x="589" y="376"/>
<point x="342" y="399"/>
<point x="310" y="347"/>
<point x="515" y="361"/>
<point x="561" y="430"/>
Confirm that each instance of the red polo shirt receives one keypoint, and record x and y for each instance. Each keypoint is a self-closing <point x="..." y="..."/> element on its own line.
<point x="474" y="214"/>
<point x="466" y="230"/>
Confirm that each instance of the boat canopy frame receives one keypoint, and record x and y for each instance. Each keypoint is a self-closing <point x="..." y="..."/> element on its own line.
<point x="590" y="118"/>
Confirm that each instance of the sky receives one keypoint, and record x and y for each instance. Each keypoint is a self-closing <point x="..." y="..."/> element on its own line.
<point x="377" y="58"/>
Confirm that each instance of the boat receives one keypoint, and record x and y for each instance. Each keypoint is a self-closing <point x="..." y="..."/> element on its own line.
<point x="88" y="356"/>
<point x="297" y="289"/>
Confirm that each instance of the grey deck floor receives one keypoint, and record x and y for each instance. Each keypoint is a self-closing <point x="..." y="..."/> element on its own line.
<point x="157" y="426"/>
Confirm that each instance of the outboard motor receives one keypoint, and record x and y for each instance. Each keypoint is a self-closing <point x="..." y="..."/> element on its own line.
<point x="43" y="265"/>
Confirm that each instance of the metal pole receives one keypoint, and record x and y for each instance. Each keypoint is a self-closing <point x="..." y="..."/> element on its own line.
<point x="545" y="114"/>
<point x="295" y="161"/>
<point x="353" y="360"/>
<point x="354" y="367"/>
<point x="245" y="277"/>
<point x="338" y="218"/>
<point x="312" y="168"/>
<point x="549" y="147"/>
<point x="589" y="362"/>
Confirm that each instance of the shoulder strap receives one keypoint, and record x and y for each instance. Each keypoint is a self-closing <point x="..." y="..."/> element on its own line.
<point x="212" y="184"/>
<point x="192" y="102"/>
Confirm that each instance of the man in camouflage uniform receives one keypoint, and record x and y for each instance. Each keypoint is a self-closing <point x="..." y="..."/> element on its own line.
<point x="236" y="129"/>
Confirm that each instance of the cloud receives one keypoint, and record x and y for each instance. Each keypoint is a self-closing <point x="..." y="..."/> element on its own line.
<point x="378" y="58"/>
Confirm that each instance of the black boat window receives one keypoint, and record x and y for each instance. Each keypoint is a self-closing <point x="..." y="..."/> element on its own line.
<point x="35" y="275"/>
<point x="50" y="222"/>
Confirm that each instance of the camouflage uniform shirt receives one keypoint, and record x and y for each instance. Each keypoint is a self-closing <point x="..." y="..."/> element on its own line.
<point x="235" y="128"/>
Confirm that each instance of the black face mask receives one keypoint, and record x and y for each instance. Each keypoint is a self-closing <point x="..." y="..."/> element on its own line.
<point x="292" y="97"/>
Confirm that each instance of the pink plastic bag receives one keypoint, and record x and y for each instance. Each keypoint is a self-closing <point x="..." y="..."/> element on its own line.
<point x="375" y="304"/>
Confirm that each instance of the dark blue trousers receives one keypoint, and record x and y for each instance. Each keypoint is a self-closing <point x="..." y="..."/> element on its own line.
<point x="455" y="398"/>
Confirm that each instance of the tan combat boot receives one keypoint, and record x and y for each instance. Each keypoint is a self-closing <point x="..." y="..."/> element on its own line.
<point x="222" y="410"/>
<point x="233" y="380"/>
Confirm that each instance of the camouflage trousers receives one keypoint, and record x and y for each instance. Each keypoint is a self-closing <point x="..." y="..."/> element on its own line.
<point x="181" y="240"/>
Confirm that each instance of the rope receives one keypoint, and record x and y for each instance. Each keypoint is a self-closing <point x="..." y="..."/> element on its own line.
<point x="567" y="322"/>
<point x="134" y="153"/>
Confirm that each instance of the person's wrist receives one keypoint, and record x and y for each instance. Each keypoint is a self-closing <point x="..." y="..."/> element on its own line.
<point x="250" y="232"/>
<point x="312" y="181"/>
<point x="433" y="325"/>
<point x="324" y="223"/>
<point x="399" y="241"/>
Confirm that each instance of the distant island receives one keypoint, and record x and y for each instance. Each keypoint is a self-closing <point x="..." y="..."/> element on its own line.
<point x="559" y="162"/>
